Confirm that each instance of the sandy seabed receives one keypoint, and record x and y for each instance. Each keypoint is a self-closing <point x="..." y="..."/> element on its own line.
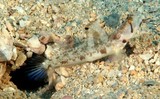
<point x="136" y="76"/>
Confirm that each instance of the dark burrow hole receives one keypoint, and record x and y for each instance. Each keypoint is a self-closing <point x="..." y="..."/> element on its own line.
<point x="24" y="81"/>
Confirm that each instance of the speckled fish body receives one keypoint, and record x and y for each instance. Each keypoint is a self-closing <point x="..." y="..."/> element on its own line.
<point x="97" y="45"/>
<point x="92" y="52"/>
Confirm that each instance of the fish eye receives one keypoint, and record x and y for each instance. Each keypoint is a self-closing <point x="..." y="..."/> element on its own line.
<point x="124" y="41"/>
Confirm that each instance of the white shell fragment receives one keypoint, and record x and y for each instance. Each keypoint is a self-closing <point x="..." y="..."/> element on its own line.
<point x="146" y="57"/>
<point x="132" y="67"/>
<point x="20" y="10"/>
<point x="24" y="23"/>
<point x="14" y="56"/>
<point x="9" y="26"/>
<point x="10" y="90"/>
<point x="35" y="45"/>
<point x="49" y="52"/>
<point x="6" y="46"/>
<point x="158" y="61"/>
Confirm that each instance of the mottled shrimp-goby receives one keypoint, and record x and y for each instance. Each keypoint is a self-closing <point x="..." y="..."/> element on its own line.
<point x="95" y="48"/>
<point x="87" y="53"/>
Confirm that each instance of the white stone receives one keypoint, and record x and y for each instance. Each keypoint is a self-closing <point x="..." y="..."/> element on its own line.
<point x="132" y="67"/>
<point x="35" y="45"/>
<point x="158" y="61"/>
<point x="49" y="52"/>
<point x="34" y="42"/>
<point x="14" y="57"/>
<point x="146" y="57"/>
<point x="20" y="10"/>
<point x="24" y="23"/>
<point x="9" y="89"/>
<point x="6" y="46"/>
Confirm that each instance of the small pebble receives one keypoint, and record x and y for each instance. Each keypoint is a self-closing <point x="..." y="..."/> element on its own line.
<point x="9" y="26"/>
<point x="132" y="67"/>
<point x="158" y="28"/>
<point x="14" y="56"/>
<point x="9" y="89"/>
<point x="64" y="72"/>
<point x="23" y="23"/>
<point x="124" y="70"/>
<point x="99" y="79"/>
<point x="158" y="61"/>
<point x="146" y="57"/>
<point x="35" y="45"/>
<point x="6" y="46"/>
<point x="2" y="69"/>
<point x="49" y="52"/>
<point x="59" y="86"/>
<point x="29" y="54"/>
<point x="34" y="42"/>
<point x="45" y="39"/>
<point x="133" y="72"/>
<point x="20" y="10"/>
<point x="20" y="59"/>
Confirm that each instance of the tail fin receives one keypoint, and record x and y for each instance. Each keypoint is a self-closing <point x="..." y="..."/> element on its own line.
<point x="35" y="68"/>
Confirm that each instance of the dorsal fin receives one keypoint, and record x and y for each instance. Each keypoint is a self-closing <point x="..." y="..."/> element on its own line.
<point x="96" y="35"/>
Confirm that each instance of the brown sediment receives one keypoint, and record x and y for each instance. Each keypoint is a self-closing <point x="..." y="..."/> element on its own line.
<point x="103" y="51"/>
<point x="82" y="57"/>
<point x="116" y="36"/>
<point x="64" y="62"/>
